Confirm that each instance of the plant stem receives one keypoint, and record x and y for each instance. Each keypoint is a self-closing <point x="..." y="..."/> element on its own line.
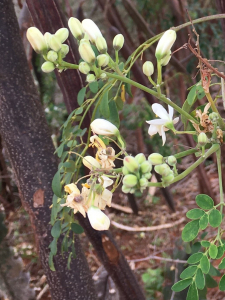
<point x="159" y="77"/>
<point x="185" y="153"/>
<point x="218" y="157"/>
<point x="214" y="108"/>
<point x="68" y="65"/>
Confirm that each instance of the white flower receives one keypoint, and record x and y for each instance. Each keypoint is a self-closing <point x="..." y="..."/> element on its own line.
<point x="165" y="43"/>
<point x="98" y="220"/>
<point x="91" y="29"/>
<point x="104" y="127"/>
<point x="159" y="125"/>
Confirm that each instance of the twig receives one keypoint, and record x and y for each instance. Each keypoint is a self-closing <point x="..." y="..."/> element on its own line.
<point x="177" y="261"/>
<point x="42" y="292"/>
<point x="150" y="228"/>
<point x="125" y="209"/>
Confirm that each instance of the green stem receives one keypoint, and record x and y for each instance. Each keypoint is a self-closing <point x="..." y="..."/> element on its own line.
<point x="155" y="94"/>
<point x="152" y="81"/>
<point x="185" y="153"/>
<point x="218" y="157"/>
<point x="117" y="57"/>
<point x="214" y="108"/>
<point x="159" y="77"/>
<point x="183" y="132"/>
<point x="68" y="65"/>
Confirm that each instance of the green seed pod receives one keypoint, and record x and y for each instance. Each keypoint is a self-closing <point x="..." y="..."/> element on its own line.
<point x="162" y="169"/>
<point x="84" y="68"/>
<point x="103" y="60"/>
<point x="62" y="34"/>
<point x="131" y="164"/>
<point x="52" y="56"/>
<point x="118" y="42"/>
<point x="130" y="180"/>
<point x="146" y="167"/>
<point x="155" y="159"/>
<point x="148" y="68"/>
<point x="140" y="158"/>
<point x="47" y="67"/>
<point x="101" y="44"/>
<point x="171" y="160"/>
<point x="202" y="139"/>
<point x="90" y="78"/>
<point x="55" y="43"/>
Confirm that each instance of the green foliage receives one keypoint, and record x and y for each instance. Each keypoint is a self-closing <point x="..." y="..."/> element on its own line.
<point x="153" y="281"/>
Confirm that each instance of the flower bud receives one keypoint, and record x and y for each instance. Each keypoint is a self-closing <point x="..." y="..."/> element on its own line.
<point x="48" y="67"/>
<point x="125" y="171"/>
<point x="47" y="37"/>
<point x="162" y="169"/>
<point x="202" y="139"/>
<point x="131" y="164"/>
<point x="165" y="60"/>
<point x="62" y="34"/>
<point x="165" y="43"/>
<point x="91" y="29"/>
<point x="125" y="189"/>
<point x="140" y="158"/>
<point x="71" y="188"/>
<point x="84" y="67"/>
<point x="214" y="117"/>
<point x="169" y="178"/>
<point x="155" y="159"/>
<point x="76" y="28"/>
<point x="143" y="182"/>
<point x="86" y="53"/>
<point x="52" y="56"/>
<point x="55" y="43"/>
<point x="148" y="68"/>
<point x="91" y="163"/>
<point x="98" y="220"/>
<point x="103" y="60"/>
<point x="103" y="76"/>
<point x="65" y="50"/>
<point x="101" y="44"/>
<point x="90" y="78"/>
<point x="118" y="42"/>
<point x="130" y="180"/>
<point x="147" y="175"/>
<point x="104" y="127"/>
<point x="146" y="167"/>
<point x="36" y="39"/>
<point x="171" y="160"/>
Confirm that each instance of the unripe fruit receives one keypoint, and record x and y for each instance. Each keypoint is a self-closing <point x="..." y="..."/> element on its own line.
<point x="130" y="180"/>
<point x="131" y="164"/>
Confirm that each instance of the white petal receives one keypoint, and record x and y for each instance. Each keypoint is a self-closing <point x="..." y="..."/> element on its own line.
<point x="171" y="110"/>
<point x="160" y="111"/>
<point x="176" y="120"/>
<point x="157" y="122"/>
<point x="153" y="130"/>
<point x="98" y="220"/>
<point x="107" y="196"/>
<point x="163" y="136"/>
<point x="107" y="181"/>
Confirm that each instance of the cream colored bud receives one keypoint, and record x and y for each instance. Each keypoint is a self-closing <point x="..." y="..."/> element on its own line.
<point x="47" y="37"/>
<point x="91" y="163"/>
<point x="87" y="53"/>
<point x="76" y="28"/>
<point x="90" y="78"/>
<point x="62" y="34"/>
<point x="36" y="39"/>
<point x="84" y="68"/>
<point x="165" y="43"/>
<point x="65" y="50"/>
<point x="91" y="29"/>
<point x="130" y="180"/>
<point x="202" y="139"/>
<point x="140" y="158"/>
<point x="118" y="42"/>
<point x="165" y="60"/>
<point x="155" y="159"/>
<point x="171" y="160"/>
<point x="48" y="67"/>
<point x="52" y="56"/>
<point x="148" y="68"/>
<point x="146" y="167"/>
<point x="55" y="43"/>
<point x="162" y="169"/>
<point x="101" y="44"/>
<point x="103" y="60"/>
<point x="103" y="76"/>
<point x="98" y="220"/>
<point x="104" y="127"/>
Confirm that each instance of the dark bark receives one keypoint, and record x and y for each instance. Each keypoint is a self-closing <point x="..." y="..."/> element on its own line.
<point x="27" y="140"/>
<point x="47" y="16"/>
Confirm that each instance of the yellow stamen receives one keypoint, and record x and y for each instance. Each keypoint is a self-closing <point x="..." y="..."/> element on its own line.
<point x="123" y="93"/>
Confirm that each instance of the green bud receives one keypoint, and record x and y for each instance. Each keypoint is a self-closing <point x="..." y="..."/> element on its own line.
<point x="125" y="189"/>
<point x="162" y="169"/>
<point x="47" y="67"/>
<point x="36" y="39"/>
<point x="90" y="78"/>
<point x="65" y="50"/>
<point x="165" y="60"/>
<point x="52" y="56"/>
<point x="140" y="158"/>
<point x="62" y="34"/>
<point x="101" y="45"/>
<point x="55" y="43"/>
<point x="47" y="37"/>
<point x="214" y="117"/>
<point x="131" y="164"/>
<point x="202" y="139"/>
<point x="143" y="182"/>
<point x="148" y="68"/>
<point x="87" y="53"/>
<point x="132" y="191"/>
<point x="147" y="175"/>
<point x="76" y="28"/>
<point x="103" y="76"/>
<point x="118" y="42"/>
<point x="130" y="180"/>
<point x="155" y="159"/>
<point x="165" y="43"/>
<point x="169" y="178"/>
<point x="125" y="170"/>
<point x="103" y="60"/>
<point x="84" y="68"/>
<point x="171" y="160"/>
<point x="146" y="167"/>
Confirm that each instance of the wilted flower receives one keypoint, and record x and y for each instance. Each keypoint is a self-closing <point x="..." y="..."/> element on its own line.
<point x="98" y="220"/>
<point x="159" y="125"/>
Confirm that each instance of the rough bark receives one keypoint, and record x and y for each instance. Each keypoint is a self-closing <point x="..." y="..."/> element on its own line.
<point x="27" y="140"/>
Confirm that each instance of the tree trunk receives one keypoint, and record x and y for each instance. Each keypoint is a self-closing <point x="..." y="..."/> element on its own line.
<point x="27" y="140"/>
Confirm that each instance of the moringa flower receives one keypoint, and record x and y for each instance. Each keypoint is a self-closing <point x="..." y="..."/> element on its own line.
<point x="98" y="220"/>
<point x="159" y="125"/>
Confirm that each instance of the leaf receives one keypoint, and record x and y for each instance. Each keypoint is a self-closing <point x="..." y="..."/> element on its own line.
<point x="64" y="245"/>
<point x="200" y="92"/>
<point x="205" y="244"/>
<point x="220" y="252"/>
<point x="222" y="283"/>
<point x="213" y="271"/>
<point x="94" y="87"/>
<point x="194" y="258"/>
<point x="81" y="96"/>
<point x="190" y="231"/>
<point x="191" y="96"/>
<point x="215" y="218"/>
<point x="181" y="285"/>
<point x="205" y="264"/>
<point x="213" y="251"/>
<point x="104" y="106"/>
<point x="114" y="116"/>
<point x="192" y="292"/>
<point x="195" y="213"/>
<point x="204" y="201"/>
<point x="69" y="260"/>
<point x="56" y="229"/>
<point x="71" y="143"/>
<point x="188" y="272"/>
<point x="200" y="279"/>
<point x="222" y="264"/>
<point x="70" y="166"/>
<point x="50" y="262"/>
<point x="59" y="150"/>
<point x="56" y="184"/>
<point x="76" y="228"/>
<point x="54" y="209"/>
<point x="203" y="222"/>
<point x="210" y="282"/>
<point x="79" y="111"/>
<point x="119" y="103"/>
<point x="53" y="246"/>
<point x="196" y="247"/>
